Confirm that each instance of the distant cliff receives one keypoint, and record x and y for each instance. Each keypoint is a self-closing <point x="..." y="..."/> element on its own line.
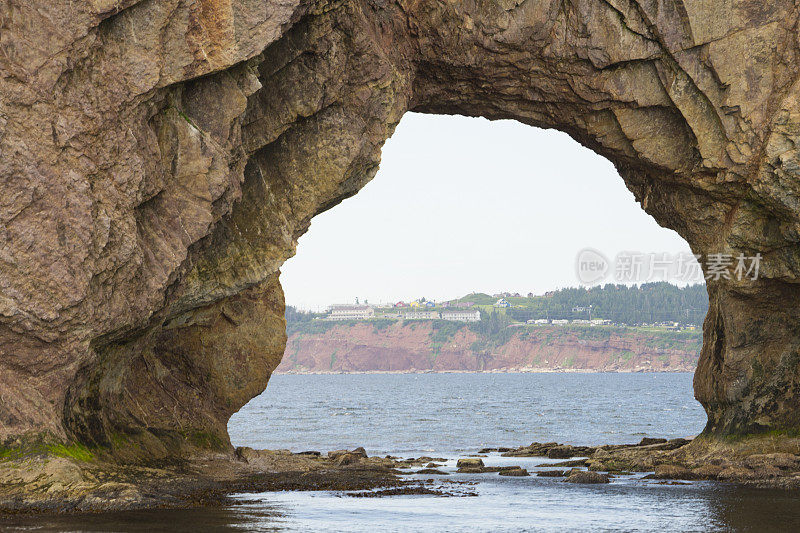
<point x="441" y="346"/>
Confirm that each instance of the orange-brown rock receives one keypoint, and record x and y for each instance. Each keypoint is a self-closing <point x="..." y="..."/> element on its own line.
<point x="415" y="346"/>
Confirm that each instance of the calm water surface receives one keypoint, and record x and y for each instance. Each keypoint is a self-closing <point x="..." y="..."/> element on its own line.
<point x="455" y="413"/>
<point x="450" y="415"/>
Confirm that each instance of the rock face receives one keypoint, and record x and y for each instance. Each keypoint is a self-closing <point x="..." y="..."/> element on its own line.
<point x="410" y="346"/>
<point x="159" y="159"/>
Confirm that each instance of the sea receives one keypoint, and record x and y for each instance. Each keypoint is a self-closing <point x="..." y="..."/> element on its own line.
<point x="453" y="415"/>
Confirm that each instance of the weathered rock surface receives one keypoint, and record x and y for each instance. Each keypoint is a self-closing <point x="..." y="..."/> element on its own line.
<point x="470" y="462"/>
<point x="551" y="473"/>
<point x="553" y="450"/>
<point x="160" y="158"/>
<point x="586" y="477"/>
<point x="761" y="461"/>
<point x="514" y="472"/>
<point x="67" y="484"/>
<point x="673" y="472"/>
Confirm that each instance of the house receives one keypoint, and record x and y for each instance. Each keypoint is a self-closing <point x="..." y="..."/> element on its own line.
<point x="351" y="312"/>
<point x="578" y="309"/>
<point x="462" y="316"/>
<point x="560" y="322"/>
<point x="502" y="302"/>
<point x="539" y="321"/>
<point x="463" y="304"/>
<point x="421" y="315"/>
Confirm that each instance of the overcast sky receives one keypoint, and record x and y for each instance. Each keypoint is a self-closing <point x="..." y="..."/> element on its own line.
<point x="462" y="205"/>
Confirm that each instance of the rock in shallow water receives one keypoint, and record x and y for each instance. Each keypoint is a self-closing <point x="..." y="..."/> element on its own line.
<point x="587" y="477"/>
<point x="647" y="441"/>
<point x="432" y="471"/>
<point x="561" y="452"/>
<point x="515" y="472"/>
<point x="551" y="473"/>
<point x="673" y="472"/>
<point x="470" y="462"/>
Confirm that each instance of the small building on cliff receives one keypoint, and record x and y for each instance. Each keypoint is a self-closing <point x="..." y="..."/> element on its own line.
<point x="538" y="321"/>
<point x="421" y="315"/>
<point x="351" y="312"/>
<point x="462" y="316"/>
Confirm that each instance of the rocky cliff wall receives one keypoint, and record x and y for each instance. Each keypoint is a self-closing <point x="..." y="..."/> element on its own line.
<point x="160" y="158"/>
<point x="416" y="347"/>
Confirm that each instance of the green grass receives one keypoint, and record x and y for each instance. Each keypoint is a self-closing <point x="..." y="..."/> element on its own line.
<point x="380" y="324"/>
<point x="443" y="331"/>
<point x="478" y="298"/>
<point x="627" y="355"/>
<point x="478" y="346"/>
<point x="317" y="327"/>
<point x="778" y="434"/>
<point x="78" y="452"/>
<point x="206" y="440"/>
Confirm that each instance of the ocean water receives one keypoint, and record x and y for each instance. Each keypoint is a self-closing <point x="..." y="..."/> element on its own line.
<point x="456" y="413"/>
<point x="450" y="415"/>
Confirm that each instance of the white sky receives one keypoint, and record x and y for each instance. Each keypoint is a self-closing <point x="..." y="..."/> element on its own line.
<point x="464" y="205"/>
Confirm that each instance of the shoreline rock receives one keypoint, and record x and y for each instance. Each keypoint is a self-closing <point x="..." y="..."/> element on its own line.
<point x="50" y="484"/>
<point x="587" y="477"/>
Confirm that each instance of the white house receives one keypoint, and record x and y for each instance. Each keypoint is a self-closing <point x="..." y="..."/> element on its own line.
<point x="462" y="316"/>
<point x="560" y="322"/>
<point x="351" y="312"/>
<point x="502" y="302"/>
<point x="539" y="321"/>
<point x="421" y="315"/>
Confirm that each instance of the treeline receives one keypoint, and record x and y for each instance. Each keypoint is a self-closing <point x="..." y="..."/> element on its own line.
<point x="296" y="319"/>
<point x="625" y="304"/>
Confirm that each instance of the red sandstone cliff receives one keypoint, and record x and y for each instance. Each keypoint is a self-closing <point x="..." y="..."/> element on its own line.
<point x="362" y="347"/>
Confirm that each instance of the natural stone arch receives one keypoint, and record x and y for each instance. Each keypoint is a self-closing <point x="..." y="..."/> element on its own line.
<point x="168" y="191"/>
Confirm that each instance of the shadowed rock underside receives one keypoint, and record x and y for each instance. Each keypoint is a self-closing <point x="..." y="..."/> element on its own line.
<point x="160" y="158"/>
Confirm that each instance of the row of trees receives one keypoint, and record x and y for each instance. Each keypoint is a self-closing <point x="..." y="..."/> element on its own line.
<point x="626" y="304"/>
<point x="296" y="319"/>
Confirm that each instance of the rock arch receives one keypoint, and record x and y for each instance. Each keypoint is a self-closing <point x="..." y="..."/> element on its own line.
<point x="161" y="157"/>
